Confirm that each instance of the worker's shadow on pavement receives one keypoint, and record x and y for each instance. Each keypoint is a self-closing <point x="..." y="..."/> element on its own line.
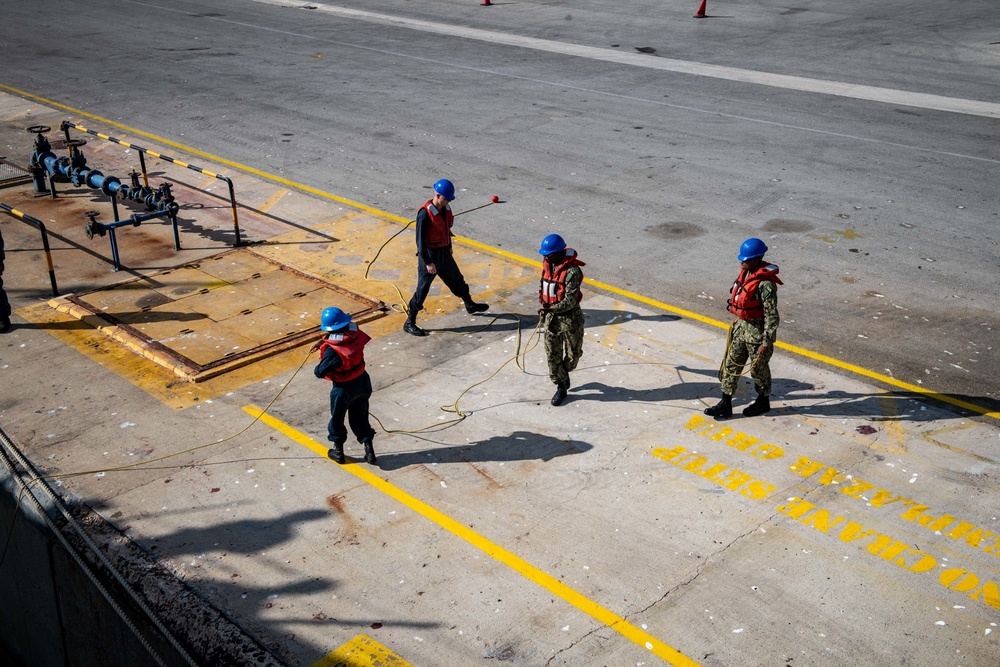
<point x="248" y="536"/>
<point x="601" y="317"/>
<point x="876" y="406"/>
<point x="485" y="322"/>
<point x="598" y="391"/>
<point x="101" y="320"/>
<point x="517" y="446"/>
<point x="882" y="406"/>
<point x="257" y="537"/>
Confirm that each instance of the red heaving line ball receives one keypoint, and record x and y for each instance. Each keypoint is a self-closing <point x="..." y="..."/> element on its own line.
<point x="495" y="199"/>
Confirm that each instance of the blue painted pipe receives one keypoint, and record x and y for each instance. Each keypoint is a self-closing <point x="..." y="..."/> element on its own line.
<point x="62" y="170"/>
<point x="101" y="228"/>
<point x="136" y="219"/>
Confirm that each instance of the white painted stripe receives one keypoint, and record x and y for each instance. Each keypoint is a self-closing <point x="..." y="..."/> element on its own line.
<point x="803" y="84"/>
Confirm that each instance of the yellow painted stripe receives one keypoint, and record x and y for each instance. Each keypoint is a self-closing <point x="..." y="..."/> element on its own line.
<point x="815" y="356"/>
<point x="526" y="569"/>
<point x="362" y="651"/>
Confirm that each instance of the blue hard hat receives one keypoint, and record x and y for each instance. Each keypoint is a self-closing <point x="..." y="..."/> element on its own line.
<point x="752" y="249"/>
<point x="333" y="319"/>
<point x="552" y="243"/>
<point x="445" y="188"/>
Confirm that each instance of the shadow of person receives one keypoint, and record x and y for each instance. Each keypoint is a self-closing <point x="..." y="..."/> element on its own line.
<point x="681" y="391"/>
<point x="153" y="316"/>
<point x="493" y="322"/>
<point x="517" y="446"/>
<point x="598" y="317"/>
<point x="250" y="536"/>
<point x="707" y="372"/>
<point x="882" y="406"/>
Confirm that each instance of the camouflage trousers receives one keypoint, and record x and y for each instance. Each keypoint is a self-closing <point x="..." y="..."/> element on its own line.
<point x="563" y="343"/>
<point x="747" y="336"/>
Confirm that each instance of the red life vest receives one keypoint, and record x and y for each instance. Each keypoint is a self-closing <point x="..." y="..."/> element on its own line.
<point x="553" y="286"/>
<point x="439" y="231"/>
<point x="350" y="347"/>
<point x="744" y="301"/>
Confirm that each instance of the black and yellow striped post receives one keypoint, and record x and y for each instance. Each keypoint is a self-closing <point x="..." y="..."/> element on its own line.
<point x="66" y="125"/>
<point x="40" y="226"/>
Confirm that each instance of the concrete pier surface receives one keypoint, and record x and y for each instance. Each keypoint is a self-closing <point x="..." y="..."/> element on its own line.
<point x="855" y="523"/>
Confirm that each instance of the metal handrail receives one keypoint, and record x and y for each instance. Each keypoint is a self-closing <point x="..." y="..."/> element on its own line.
<point x="66" y="125"/>
<point x="40" y="226"/>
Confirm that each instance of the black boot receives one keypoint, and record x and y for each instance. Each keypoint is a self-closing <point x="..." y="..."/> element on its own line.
<point x="4" y="324"/>
<point x="560" y="395"/>
<point x="336" y="453"/>
<point x="723" y="409"/>
<point x="758" y="407"/>
<point x="411" y="327"/>
<point x="369" y="452"/>
<point x="471" y="307"/>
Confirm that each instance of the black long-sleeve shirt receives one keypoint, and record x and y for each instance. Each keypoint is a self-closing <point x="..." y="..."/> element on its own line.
<point x="328" y="363"/>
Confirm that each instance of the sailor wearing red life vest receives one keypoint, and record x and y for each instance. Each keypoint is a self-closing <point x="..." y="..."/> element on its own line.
<point x="434" y="256"/>
<point x="562" y="318"/>
<point x="754" y="301"/>
<point x="342" y="361"/>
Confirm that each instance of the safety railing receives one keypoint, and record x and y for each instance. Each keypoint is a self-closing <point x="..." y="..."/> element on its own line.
<point x="40" y="226"/>
<point x="66" y="125"/>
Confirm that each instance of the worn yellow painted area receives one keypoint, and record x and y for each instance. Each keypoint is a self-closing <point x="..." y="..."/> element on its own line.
<point x="935" y="437"/>
<point x="362" y="651"/>
<point x="337" y="250"/>
<point x="392" y="277"/>
<point x="271" y="201"/>
<point x="148" y="376"/>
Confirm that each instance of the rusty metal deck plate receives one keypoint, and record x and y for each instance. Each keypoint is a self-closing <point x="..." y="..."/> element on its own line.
<point x="224" y="312"/>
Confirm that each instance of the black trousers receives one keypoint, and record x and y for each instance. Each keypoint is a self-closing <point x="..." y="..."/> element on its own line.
<point x="350" y="399"/>
<point x="449" y="272"/>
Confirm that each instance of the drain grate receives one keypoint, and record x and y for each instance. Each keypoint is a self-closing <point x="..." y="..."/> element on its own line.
<point x="203" y="319"/>
<point x="11" y="174"/>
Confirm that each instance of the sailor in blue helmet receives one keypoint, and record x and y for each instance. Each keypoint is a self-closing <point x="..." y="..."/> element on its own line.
<point x="754" y="301"/>
<point x="562" y="318"/>
<point x="434" y="256"/>
<point x="342" y="361"/>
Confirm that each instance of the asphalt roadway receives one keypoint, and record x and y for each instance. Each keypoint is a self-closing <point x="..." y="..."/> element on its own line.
<point x="854" y="524"/>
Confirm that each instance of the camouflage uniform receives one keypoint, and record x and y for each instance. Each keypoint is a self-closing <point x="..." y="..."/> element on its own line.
<point x="748" y="335"/>
<point x="563" y="327"/>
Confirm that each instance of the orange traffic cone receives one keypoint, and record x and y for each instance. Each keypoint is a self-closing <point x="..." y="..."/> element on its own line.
<point x="701" y="10"/>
